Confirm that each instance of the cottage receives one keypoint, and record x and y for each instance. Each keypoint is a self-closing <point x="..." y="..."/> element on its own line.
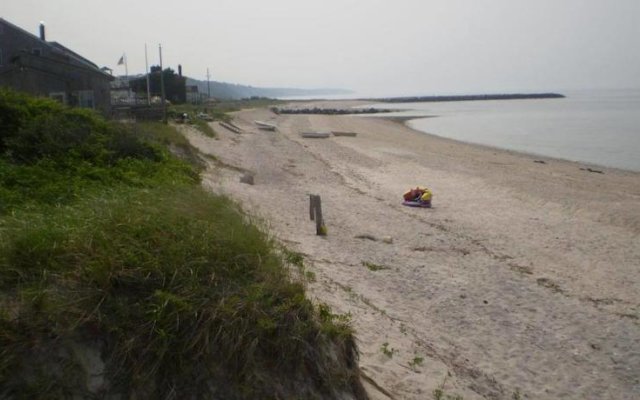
<point x="31" y="64"/>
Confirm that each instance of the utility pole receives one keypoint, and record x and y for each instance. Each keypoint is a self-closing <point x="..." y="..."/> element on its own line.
<point x="208" y="86"/>
<point x="146" y="71"/>
<point x="164" y="104"/>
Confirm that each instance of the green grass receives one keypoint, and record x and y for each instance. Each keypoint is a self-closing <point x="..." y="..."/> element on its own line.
<point x="168" y="138"/>
<point x="172" y="278"/>
<point x="204" y="127"/>
<point x="439" y="393"/>
<point x="107" y="241"/>
<point x="386" y="350"/>
<point x="416" y="362"/>
<point x="53" y="155"/>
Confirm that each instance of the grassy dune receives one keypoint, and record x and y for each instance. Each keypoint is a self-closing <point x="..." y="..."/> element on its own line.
<point x="120" y="275"/>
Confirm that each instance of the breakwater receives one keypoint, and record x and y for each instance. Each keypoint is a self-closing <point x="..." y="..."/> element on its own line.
<point x="473" y="97"/>
<point x="329" y="111"/>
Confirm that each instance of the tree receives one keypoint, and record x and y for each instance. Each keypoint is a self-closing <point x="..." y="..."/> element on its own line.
<point x="174" y="85"/>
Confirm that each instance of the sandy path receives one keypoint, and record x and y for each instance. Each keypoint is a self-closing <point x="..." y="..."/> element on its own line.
<point x="524" y="277"/>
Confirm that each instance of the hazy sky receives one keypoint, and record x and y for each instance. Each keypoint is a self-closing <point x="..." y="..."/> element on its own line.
<point x="371" y="46"/>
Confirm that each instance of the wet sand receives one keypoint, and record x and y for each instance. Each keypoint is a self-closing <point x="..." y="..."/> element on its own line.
<point x="524" y="278"/>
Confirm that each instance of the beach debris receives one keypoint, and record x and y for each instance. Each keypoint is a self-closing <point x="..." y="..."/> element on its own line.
<point x="597" y="171"/>
<point x="247" y="178"/>
<point x="387" y="240"/>
<point x="549" y="284"/>
<point x="315" y="135"/>
<point x="422" y="248"/>
<point x="418" y="197"/>
<point x="265" y="126"/>
<point x="367" y="237"/>
<point x="539" y="161"/>
<point x="315" y="212"/>
<point x="520" y="268"/>
<point x="348" y="134"/>
<point x="183" y="118"/>
<point x="204" y="116"/>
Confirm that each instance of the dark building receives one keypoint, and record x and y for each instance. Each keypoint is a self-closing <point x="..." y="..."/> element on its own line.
<point x="31" y="64"/>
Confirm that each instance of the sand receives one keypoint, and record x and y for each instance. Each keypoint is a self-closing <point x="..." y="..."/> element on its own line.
<point x="522" y="280"/>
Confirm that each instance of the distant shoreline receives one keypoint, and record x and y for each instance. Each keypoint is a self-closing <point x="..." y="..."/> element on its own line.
<point x="473" y="97"/>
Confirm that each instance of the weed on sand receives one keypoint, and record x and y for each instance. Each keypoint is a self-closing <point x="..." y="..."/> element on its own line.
<point x="374" y="267"/>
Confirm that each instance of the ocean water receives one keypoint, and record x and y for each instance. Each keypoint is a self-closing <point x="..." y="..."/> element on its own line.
<point x="595" y="127"/>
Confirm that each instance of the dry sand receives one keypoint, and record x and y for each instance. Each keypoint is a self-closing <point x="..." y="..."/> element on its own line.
<point x="522" y="280"/>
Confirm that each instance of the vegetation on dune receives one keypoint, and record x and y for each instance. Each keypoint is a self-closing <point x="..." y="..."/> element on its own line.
<point x="108" y="243"/>
<point x="51" y="154"/>
<point x="217" y="111"/>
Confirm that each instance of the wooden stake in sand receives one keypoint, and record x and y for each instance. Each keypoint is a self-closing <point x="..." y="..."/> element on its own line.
<point x="315" y="212"/>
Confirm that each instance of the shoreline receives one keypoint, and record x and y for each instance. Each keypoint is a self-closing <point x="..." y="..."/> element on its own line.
<point x="521" y="278"/>
<point x="405" y="120"/>
<point x="522" y="153"/>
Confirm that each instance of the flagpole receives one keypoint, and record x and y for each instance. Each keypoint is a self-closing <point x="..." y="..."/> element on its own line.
<point x="126" y="67"/>
<point x="164" y="105"/>
<point x="146" y="71"/>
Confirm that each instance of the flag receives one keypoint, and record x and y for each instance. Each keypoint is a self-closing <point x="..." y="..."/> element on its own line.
<point x="121" y="61"/>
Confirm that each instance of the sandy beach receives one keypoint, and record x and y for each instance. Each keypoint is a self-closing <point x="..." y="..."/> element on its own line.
<point x="522" y="281"/>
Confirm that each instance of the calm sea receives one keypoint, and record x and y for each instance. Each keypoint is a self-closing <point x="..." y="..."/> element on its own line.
<point x="597" y="127"/>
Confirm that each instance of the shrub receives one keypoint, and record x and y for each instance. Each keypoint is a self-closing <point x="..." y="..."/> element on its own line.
<point x="53" y="154"/>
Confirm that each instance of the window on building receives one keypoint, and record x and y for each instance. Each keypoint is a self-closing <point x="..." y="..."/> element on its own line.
<point x="58" y="96"/>
<point x="85" y="99"/>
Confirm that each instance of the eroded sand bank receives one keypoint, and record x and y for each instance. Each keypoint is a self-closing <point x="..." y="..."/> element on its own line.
<point x="524" y="277"/>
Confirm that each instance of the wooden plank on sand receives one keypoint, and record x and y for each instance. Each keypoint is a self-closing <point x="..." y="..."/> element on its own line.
<point x="349" y="134"/>
<point x="230" y="127"/>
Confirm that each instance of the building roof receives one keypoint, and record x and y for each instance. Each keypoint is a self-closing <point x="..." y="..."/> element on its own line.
<point x="57" y="48"/>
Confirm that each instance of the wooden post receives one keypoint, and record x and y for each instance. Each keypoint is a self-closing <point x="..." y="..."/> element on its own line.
<point x="315" y="212"/>
<point x="320" y="228"/>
